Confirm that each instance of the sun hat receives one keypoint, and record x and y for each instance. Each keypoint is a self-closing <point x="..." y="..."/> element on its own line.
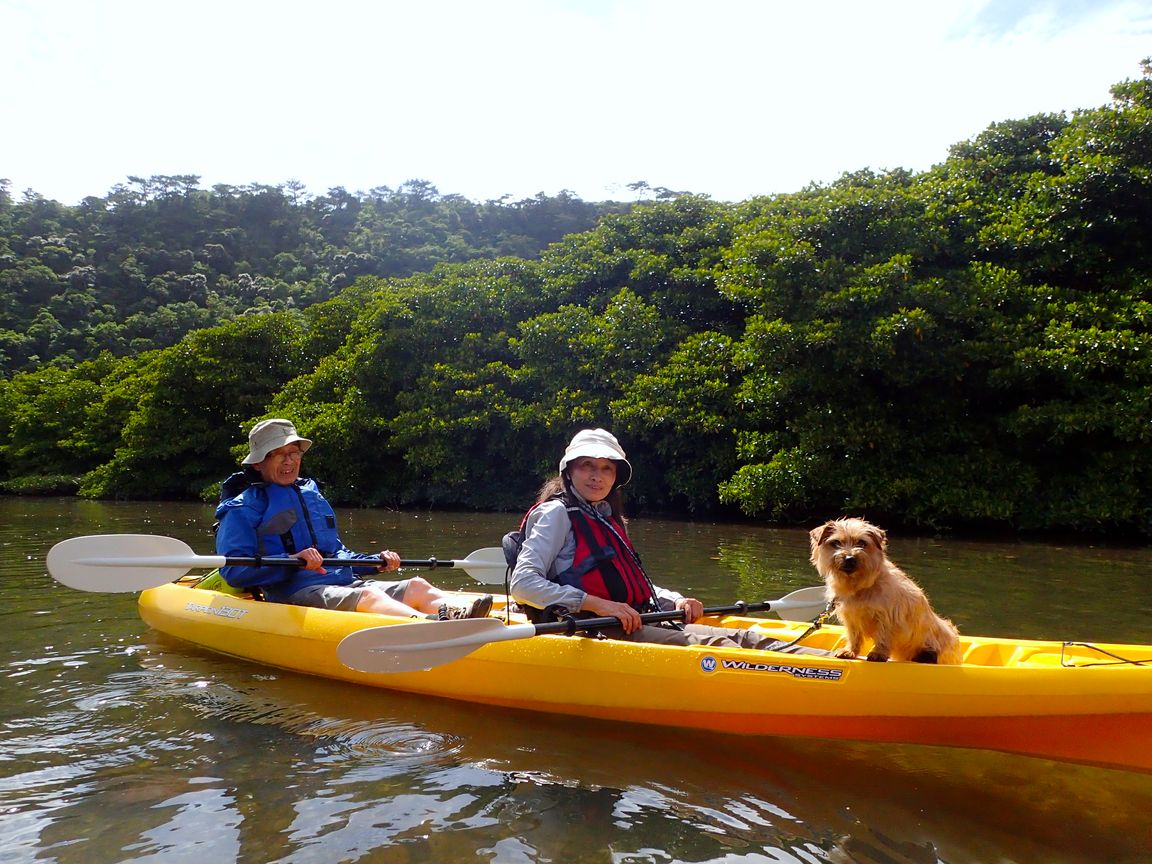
<point x="598" y="444"/>
<point x="269" y="435"/>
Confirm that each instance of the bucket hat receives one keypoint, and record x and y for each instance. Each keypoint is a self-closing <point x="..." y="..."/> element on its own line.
<point x="598" y="444"/>
<point x="269" y="435"/>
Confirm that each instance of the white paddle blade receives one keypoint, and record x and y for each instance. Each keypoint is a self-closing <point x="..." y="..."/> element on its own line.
<point x="119" y="562"/>
<point x="413" y="647"/>
<point x="802" y="605"/>
<point x="486" y="566"/>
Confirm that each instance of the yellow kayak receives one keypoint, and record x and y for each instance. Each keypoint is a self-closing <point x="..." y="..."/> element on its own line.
<point x="1080" y="702"/>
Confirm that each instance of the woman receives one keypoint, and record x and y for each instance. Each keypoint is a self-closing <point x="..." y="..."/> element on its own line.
<point x="577" y="557"/>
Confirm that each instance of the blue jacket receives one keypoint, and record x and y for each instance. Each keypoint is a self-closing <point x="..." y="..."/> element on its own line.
<point x="268" y="520"/>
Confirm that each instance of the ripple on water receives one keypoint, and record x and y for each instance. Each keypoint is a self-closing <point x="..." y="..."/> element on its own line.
<point x="119" y="745"/>
<point x="222" y="697"/>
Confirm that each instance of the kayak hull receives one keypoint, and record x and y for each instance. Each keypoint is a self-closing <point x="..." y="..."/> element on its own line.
<point x="1010" y="695"/>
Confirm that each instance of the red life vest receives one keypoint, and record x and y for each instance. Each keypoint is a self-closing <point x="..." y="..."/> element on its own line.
<point x="605" y="564"/>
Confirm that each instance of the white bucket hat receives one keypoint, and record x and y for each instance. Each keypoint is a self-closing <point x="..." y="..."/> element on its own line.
<point x="269" y="435"/>
<point x="598" y="444"/>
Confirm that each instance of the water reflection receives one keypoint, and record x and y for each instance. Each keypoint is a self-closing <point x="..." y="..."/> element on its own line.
<point x="444" y="767"/>
<point x="120" y="745"/>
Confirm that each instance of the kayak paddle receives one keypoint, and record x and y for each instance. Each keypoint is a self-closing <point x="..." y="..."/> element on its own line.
<point x="133" y="562"/>
<point x="412" y="647"/>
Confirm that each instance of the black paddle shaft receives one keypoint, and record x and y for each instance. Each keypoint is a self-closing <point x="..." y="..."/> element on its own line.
<point x="430" y="563"/>
<point x="572" y="625"/>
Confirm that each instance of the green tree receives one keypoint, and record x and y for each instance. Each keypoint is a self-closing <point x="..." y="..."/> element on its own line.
<point x="681" y="417"/>
<point x="197" y="398"/>
<point x="50" y="424"/>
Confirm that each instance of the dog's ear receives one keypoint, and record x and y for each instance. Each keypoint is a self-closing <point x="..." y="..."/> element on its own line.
<point x="879" y="536"/>
<point x="819" y="535"/>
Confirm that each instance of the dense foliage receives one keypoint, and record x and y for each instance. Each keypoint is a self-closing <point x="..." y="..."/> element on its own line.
<point x="160" y="257"/>
<point x="967" y="346"/>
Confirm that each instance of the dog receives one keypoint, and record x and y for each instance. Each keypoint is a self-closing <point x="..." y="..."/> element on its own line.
<point x="874" y="599"/>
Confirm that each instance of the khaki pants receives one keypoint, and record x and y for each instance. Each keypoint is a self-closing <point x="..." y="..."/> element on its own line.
<point x="716" y="637"/>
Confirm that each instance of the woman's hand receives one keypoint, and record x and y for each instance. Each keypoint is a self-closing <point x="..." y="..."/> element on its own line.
<point x="312" y="559"/>
<point x="629" y="617"/>
<point x="391" y="560"/>
<point x="692" y="607"/>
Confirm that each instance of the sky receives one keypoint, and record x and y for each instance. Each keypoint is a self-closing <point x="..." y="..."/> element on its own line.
<point x="494" y="98"/>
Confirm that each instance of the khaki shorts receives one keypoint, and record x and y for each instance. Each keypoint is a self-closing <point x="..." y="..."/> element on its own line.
<point x="346" y="597"/>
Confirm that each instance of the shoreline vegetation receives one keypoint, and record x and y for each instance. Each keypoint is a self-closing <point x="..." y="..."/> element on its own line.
<point x="963" y="349"/>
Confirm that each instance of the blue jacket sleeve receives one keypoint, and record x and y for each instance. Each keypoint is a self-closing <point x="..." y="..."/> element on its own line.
<point x="236" y="538"/>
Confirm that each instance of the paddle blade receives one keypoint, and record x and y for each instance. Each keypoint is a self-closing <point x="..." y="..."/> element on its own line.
<point x="802" y="605"/>
<point x="486" y="566"/>
<point x="412" y="647"/>
<point x="107" y="562"/>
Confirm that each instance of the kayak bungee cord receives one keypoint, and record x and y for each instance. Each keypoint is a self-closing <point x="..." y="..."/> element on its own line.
<point x="1118" y="660"/>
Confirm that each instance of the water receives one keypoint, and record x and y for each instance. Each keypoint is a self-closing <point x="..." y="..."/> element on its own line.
<point x="119" y="744"/>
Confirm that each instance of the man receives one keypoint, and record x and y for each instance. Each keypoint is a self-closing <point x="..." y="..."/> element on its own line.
<point x="268" y="510"/>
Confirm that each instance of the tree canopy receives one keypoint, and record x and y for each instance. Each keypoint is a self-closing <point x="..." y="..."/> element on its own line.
<point x="159" y="257"/>
<point x="962" y="347"/>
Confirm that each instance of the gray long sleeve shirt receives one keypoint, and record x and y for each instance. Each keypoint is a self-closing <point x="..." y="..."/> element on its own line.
<point x="549" y="550"/>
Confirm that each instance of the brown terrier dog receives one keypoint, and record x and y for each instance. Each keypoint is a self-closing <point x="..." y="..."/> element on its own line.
<point x="875" y="600"/>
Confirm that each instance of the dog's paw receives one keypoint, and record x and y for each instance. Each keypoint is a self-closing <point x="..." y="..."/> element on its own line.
<point x="845" y="654"/>
<point x="877" y="657"/>
<point x="927" y="656"/>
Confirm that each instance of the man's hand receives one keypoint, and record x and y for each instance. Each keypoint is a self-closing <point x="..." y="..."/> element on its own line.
<point x="311" y="558"/>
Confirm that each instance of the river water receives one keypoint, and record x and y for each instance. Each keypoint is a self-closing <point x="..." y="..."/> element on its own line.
<point x="118" y="744"/>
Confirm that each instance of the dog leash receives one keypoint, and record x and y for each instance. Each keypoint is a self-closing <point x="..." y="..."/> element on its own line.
<point x="816" y="624"/>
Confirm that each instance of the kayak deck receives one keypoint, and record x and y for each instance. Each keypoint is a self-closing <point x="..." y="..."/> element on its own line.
<point x="1071" y="701"/>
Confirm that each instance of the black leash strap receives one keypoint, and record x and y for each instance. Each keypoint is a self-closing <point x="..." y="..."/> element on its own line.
<point x="812" y="628"/>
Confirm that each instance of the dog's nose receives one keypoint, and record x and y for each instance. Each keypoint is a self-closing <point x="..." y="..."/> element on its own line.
<point x="848" y="563"/>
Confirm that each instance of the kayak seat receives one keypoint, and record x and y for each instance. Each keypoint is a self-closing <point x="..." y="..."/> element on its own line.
<point x="215" y="581"/>
<point x="989" y="654"/>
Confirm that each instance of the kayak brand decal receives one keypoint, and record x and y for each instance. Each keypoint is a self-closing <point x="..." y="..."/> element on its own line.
<point x="221" y="611"/>
<point x="808" y="673"/>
